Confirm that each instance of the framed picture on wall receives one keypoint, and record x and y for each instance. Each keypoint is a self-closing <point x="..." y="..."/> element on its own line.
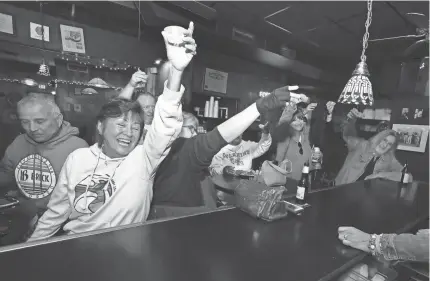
<point x="7" y="24"/>
<point x="36" y="31"/>
<point x="412" y="137"/>
<point x="72" y="39"/>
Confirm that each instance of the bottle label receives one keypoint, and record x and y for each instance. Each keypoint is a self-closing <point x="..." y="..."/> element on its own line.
<point x="300" y="193"/>
<point x="305" y="170"/>
<point x="406" y="178"/>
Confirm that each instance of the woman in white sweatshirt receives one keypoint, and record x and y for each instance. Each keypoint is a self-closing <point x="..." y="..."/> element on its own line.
<point x="110" y="183"/>
<point x="238" y="154"/>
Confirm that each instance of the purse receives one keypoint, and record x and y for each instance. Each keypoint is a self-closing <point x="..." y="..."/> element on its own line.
<point x="272" y="175"/>
<point x="259" y="200"/>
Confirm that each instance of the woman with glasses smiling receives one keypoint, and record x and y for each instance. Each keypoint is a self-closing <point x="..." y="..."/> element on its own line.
<point x="292" y="134"/>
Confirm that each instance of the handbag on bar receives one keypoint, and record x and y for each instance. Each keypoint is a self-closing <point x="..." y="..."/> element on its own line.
<point x="259" y="200"/>
<point x="272" y="175"/>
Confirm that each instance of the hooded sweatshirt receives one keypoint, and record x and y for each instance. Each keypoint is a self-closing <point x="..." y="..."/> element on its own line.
<point x="35" y="167"/>
<point x="240" y="156"/>
<point x="96" y="192"/>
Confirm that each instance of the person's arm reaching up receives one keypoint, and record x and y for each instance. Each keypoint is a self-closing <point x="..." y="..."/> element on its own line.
<point x="208" y="145"/>
<point x="167" y="122"/>
<point x="139" y="77"/>
<point x="349" y="131"/>
<point x="235" y="126"/>
<point x="264" y="144"/>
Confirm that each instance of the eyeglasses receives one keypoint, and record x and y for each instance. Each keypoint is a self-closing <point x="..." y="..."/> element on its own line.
<point x="300" y="148"/>
<point x="191" y="128"/>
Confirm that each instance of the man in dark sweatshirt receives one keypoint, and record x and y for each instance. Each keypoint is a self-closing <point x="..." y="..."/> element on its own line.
<point x="32" y="162"/>
<point x="177" y="189"/>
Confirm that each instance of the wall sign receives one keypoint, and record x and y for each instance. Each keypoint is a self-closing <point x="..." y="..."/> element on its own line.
<point x="215" y="81"/>
<point x="7" y="24"/>
<point x="72" y="39"/>
<point x="412" y="137"/>
<point x="36" y="31"/>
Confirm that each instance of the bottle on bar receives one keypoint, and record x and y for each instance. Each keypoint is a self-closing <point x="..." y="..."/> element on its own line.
<point x="316" y="173"/>
<point x="303" y="186"/>
<point x="404" y="180"/>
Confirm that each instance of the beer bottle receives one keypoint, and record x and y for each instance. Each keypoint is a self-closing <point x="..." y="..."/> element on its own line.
<point x="316" y="173"/>
<point x="303" y="186"/>
<point x="404" y="180"/>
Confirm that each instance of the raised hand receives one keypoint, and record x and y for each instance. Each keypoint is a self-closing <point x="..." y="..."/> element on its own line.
<point x="138" y="78"/>
<point x="330" y="106"/>
<point x="264" y="128"/>
<point x="180" y="54"/>
<point x="354" y="114"/>
<point x="310" y="107"/>
<point x="298" y="98"/>
<point x="285" y="93"/>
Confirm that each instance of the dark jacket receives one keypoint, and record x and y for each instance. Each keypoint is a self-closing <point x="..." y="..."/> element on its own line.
<point x="177" y="181"/>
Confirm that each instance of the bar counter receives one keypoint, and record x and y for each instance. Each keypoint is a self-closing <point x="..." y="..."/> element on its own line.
<point x="227" y="245"/>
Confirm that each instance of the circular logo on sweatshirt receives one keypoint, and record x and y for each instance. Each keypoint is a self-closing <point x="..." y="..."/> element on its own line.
<point x="35" y="176"/>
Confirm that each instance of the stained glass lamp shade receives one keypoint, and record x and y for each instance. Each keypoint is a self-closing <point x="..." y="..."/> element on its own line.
<point x="358" y="90"/>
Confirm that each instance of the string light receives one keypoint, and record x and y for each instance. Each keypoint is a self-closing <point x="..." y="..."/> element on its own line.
<point x="98" y="63"/>
<point x="31" y="82"/>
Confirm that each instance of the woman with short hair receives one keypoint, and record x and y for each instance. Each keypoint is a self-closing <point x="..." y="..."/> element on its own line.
<point x="110" y="183"/>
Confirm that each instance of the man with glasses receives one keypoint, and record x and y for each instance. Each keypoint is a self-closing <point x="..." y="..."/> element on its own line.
<point x="33" y="161"/>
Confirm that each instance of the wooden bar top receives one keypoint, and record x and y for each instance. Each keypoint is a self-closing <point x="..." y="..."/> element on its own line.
<point x="227" y="245"/>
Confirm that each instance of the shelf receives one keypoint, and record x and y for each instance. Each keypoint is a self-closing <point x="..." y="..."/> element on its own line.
<point x="374" y="120"/>
<point x="215" y="95"/>
<point x="211" y="118"/>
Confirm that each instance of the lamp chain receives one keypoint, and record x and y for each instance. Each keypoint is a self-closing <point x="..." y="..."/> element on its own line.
<point x="366" y="34"/>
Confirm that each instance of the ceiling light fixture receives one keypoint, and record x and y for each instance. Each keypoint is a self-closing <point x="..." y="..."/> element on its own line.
<point x="358" y="90"/>
<point x="99" y="83"/>
<point x="29" y="82"/>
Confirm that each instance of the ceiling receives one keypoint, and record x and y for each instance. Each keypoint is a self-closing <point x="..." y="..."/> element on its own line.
<point x="329" y="32"/>
<point x="336" y="27"/>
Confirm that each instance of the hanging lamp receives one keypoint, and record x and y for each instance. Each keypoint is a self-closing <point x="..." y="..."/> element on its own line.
<point x="358" y="90"/>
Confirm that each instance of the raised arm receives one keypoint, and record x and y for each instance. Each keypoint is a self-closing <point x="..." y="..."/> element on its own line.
<point x="167" y="122"/>
<point x="264" y="144"/>
<point x="235" y="126"/>
<point x="59" y="208"/>
<point x="349" y="132"/>
<point x="287" y="113"/>
<point x="139" y="77"/>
